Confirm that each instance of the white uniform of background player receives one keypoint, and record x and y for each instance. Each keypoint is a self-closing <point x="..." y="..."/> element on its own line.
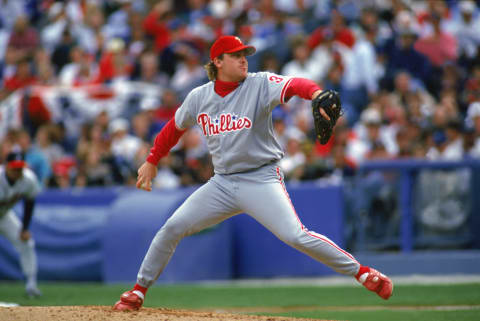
<point x="16" y="183"/>
<point x="235" y="115"/>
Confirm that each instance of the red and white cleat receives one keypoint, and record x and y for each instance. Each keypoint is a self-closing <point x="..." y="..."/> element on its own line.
<point x="377" y="282"/>
<point x="129" y="301"/>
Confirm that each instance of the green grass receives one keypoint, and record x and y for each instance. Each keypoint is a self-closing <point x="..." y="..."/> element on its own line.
<point x="334" y="303"/>
<point x="389" y="315"/>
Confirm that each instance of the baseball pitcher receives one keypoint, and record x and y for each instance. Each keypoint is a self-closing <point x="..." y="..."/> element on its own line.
<point x="234" y="112"/>
<point x="19" y="182"/>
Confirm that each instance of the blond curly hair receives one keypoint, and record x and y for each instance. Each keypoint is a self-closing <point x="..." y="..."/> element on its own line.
<point x="212" y="70"/>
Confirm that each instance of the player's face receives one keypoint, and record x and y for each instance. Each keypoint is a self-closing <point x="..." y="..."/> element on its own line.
<point x="14" y="174"/>
<point x="233" y="67"/>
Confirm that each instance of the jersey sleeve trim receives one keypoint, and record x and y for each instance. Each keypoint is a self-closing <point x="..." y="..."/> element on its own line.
<point x="176" y="125"/>
<point x="284" y="89"/>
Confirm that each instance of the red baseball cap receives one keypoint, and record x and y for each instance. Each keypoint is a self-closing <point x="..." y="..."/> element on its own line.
<point x="229" y="44"/>
<point x="16" y="159"/>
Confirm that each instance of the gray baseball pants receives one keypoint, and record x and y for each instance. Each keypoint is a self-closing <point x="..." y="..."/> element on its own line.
<point x="259" y="193"/>
<point x="10" y="227"/>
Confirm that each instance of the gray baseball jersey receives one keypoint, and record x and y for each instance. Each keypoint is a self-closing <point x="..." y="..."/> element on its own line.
<point x="245" y="153"/>
<point x="26" y="187"/>
<point x="238" y="127"/>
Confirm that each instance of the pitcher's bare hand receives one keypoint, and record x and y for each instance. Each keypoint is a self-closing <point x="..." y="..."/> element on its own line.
<point x="146" y="173"/>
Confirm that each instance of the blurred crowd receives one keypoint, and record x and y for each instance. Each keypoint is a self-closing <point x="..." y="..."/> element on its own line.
<point x="408" y="73"/>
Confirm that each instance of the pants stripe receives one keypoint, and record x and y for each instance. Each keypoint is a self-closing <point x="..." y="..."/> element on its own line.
<point x="312" y="234"/>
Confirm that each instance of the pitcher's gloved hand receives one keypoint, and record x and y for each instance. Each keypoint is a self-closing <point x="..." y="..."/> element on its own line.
<point x="329" y="101"/>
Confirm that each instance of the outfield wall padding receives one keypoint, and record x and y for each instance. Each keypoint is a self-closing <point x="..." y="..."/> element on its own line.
<point x="103" y="234"/>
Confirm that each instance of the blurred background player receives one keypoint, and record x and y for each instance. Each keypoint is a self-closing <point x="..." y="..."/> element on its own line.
<point x="18" y="182"/>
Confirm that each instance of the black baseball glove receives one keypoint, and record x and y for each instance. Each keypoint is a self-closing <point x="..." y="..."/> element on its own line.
<point x="329" y="101"/>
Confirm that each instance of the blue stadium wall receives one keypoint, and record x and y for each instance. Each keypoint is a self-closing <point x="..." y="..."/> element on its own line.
<point x="103" y="234"/>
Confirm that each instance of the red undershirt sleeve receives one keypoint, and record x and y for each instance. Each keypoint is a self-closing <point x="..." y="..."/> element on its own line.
<point x="302" y="87"/>
<point x="164" y="141"/>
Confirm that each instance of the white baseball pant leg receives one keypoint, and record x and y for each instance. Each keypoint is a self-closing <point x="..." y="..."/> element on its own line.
<point x="10" y="227"/>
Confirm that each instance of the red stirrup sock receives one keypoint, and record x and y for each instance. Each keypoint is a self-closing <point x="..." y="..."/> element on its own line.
<point x="363" y="269"/>
<point x="140" y="288"/>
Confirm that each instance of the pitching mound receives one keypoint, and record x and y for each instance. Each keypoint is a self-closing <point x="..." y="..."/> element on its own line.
<point x="104" y="313"/>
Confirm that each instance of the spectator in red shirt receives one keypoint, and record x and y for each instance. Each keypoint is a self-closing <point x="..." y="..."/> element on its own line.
<point x="155" y="24"/>
<point x="341" y="32"/>
<point x="24" y="39"/>
<point x="440" y="47"/>
<point x="22" y="77"/>
<point x="114" y="64"/>
<point x="472" y="86"/>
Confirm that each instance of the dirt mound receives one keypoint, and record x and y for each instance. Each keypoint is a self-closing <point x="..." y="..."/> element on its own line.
<point x="105" y="313"/>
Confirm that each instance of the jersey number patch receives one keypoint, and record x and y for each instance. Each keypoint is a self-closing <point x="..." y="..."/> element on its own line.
<point x="275" y="79"/>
